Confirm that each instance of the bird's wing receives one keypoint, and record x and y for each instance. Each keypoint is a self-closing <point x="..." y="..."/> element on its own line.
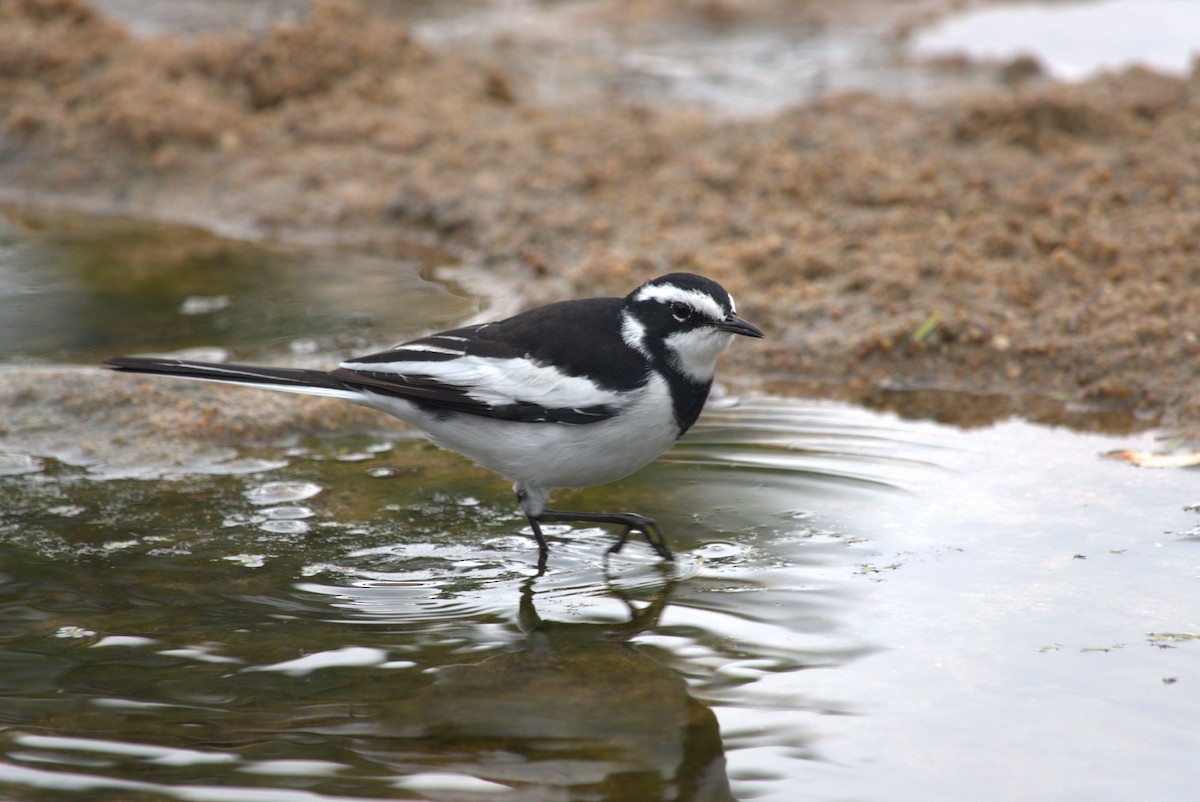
<point x="479" y="371"/>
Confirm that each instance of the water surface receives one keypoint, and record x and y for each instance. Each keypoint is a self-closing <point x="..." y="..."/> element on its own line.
<point x="81" y="289"/>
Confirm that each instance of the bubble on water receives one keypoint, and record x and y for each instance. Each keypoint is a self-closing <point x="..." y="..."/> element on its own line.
<point x="291" y="512"/>
<point x="281" y="492"/>
<point x="284" y="527"/>
<point x="381" y="472"/>
<point x="67" y="510"/>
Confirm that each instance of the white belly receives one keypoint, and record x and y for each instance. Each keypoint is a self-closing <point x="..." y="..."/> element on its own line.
<point x="547" y="455"/>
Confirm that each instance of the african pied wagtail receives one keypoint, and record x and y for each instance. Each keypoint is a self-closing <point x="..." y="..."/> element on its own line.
<point x="570" y="394"/>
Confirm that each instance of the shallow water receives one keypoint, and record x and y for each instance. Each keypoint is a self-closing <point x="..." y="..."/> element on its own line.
<point x="81" y="289"/>
<point x="863" y="608"/>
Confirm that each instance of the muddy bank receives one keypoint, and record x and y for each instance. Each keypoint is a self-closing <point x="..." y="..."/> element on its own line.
<point x="1038" y="244"/>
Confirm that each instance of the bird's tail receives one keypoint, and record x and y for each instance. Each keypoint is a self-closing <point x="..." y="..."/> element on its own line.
<point x="288" y="380"/>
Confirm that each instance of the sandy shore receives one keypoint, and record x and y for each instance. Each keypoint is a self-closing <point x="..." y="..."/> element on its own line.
<point x="1033" y="249"/>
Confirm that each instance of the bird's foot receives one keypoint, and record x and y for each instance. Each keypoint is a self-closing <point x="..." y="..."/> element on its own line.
<point x="632" y="522"/>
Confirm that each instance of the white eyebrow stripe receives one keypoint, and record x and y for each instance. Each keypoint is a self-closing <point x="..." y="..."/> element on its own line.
<point x="669" y="293"/>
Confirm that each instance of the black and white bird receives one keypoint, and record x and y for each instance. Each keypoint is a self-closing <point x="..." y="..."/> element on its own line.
<point x="571" y="394"/>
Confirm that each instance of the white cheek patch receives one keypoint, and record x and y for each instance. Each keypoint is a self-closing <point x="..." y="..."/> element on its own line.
<point x="669" y="294"/>
<point x="695" y="352"/>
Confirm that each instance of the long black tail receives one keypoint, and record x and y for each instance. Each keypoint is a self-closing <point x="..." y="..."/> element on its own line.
<point x="289" y="380"/>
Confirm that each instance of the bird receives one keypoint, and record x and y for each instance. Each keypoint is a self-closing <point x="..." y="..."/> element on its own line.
<point x="572" y="394"/>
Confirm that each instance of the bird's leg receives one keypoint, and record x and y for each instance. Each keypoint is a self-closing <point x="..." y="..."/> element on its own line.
<point x="630" y="520"/>
<point x="543" y="548"/>
<point x="533" y="502"/>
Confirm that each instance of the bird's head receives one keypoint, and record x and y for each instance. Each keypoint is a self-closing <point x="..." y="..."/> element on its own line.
<point x="685" y="319"/>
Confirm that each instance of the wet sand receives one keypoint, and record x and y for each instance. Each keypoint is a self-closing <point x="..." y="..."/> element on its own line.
<point x="1032" y="249"/>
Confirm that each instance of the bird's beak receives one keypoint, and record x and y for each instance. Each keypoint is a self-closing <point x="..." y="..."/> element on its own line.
<point x="735" y="325"/>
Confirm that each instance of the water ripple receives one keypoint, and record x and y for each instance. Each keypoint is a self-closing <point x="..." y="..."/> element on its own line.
<point x="807" y="442"/>
<point x="433" y="582"/>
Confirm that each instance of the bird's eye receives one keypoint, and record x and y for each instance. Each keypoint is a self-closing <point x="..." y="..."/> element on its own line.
<point x="681" y="312"/>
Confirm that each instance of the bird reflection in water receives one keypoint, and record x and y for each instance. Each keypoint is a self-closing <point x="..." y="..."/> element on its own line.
<point x="576" y="709"/>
